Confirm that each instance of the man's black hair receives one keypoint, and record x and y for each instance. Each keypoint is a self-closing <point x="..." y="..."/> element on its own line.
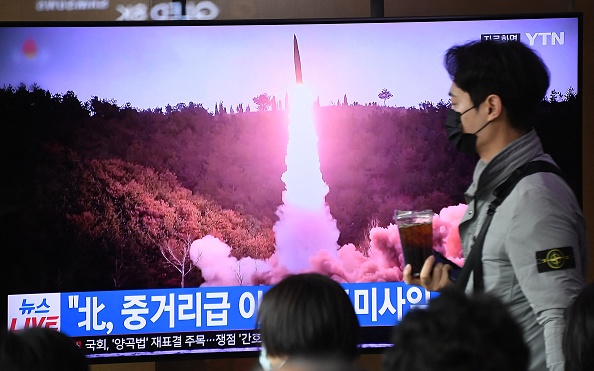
<point x="509" y="69"/>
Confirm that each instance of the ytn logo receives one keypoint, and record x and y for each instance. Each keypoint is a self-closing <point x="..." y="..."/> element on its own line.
<point x="546" y="38"/>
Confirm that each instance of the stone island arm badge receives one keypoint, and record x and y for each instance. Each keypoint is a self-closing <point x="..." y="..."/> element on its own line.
<point x="555" y="259"/>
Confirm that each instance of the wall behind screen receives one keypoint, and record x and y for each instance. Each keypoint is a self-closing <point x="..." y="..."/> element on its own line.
<point x="60" y="10"/>
<point x="268" y="9"/>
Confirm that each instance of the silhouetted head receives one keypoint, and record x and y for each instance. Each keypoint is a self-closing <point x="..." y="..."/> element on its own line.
<point x="40" y="349"/>
<point x="318" y="364"/>
<point x="308" y="315"/>
<point x="458" y="333"/>
<point x="578" y="339"/>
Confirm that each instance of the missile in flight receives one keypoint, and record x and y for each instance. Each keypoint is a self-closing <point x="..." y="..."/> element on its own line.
<point x="297" y="60"/>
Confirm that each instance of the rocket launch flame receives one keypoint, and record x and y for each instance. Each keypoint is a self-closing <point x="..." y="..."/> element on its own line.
<point x="305" y="225"/>
<point x="304" y="185"/>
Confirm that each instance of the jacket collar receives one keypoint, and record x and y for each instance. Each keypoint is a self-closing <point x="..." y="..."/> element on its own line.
<point x="489" y="175"/>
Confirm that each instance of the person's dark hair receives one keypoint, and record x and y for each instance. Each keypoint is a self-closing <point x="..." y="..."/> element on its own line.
<point x="509" y="69"/>
<point x="40" y="349"/>
<point x="458" y="333"/>
<point x="308" y="315"/>
<point x="318" y="364"/>
<point x="578" y="339"/>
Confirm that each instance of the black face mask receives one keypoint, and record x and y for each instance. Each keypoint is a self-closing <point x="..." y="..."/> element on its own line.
<point x="463" y="142"/>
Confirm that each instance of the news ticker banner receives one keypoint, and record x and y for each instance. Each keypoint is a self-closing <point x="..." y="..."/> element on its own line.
<point x="204" y="319"/>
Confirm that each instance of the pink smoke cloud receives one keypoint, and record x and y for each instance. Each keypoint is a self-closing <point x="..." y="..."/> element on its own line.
<point x="383" y="262"/>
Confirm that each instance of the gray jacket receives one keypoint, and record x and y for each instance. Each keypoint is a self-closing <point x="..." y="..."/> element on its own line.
<point x="534" y="255"/>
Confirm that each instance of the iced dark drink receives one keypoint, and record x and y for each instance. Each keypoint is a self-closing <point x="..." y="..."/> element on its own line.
<point x="416" y="237"/>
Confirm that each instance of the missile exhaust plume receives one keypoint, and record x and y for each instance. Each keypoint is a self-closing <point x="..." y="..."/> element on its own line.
<point x="306" y="233"/>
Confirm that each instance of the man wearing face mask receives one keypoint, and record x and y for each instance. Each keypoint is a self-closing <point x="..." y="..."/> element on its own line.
<point x="532" y="255"/>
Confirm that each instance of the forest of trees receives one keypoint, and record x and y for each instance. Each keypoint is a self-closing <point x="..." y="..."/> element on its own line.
<point x="99" y="196"/>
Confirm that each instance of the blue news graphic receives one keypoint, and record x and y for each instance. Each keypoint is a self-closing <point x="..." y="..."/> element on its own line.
<point x="201" y="309"/>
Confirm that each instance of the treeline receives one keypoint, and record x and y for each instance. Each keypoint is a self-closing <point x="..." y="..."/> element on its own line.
<point x="78" y="214"/>
<point x="103" y="196"/>
<point x="559" y="126"/>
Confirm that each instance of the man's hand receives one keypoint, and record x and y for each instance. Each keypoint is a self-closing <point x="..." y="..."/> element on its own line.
<point x="432" y="278"/>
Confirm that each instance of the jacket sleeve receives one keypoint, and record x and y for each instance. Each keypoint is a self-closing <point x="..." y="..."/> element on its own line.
<point x="544" y="247"/>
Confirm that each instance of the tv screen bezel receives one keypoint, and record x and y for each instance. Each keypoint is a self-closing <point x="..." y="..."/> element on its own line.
<point x="310" y="21"/>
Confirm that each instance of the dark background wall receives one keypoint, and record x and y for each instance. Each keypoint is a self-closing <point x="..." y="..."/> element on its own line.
<point x="270" y="9"/>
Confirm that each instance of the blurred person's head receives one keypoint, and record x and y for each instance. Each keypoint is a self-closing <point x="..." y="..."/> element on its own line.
<point x="458" y="333"/>
<point x="578" y="339"/>
<point x="304" y="316"/>
<point x="40" y="349"/>
<point x="318" y="364"/>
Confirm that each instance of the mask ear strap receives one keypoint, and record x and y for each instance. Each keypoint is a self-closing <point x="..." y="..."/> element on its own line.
<point x="484" y="126"/>
<point x="282" y="363"/>
<point x="467" y="110"/>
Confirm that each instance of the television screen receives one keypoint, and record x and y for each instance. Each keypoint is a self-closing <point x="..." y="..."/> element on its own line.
<point x="159" y="177"/>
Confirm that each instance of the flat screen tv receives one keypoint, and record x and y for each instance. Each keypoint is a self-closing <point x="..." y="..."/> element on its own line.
<point x="159" y="177"/>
